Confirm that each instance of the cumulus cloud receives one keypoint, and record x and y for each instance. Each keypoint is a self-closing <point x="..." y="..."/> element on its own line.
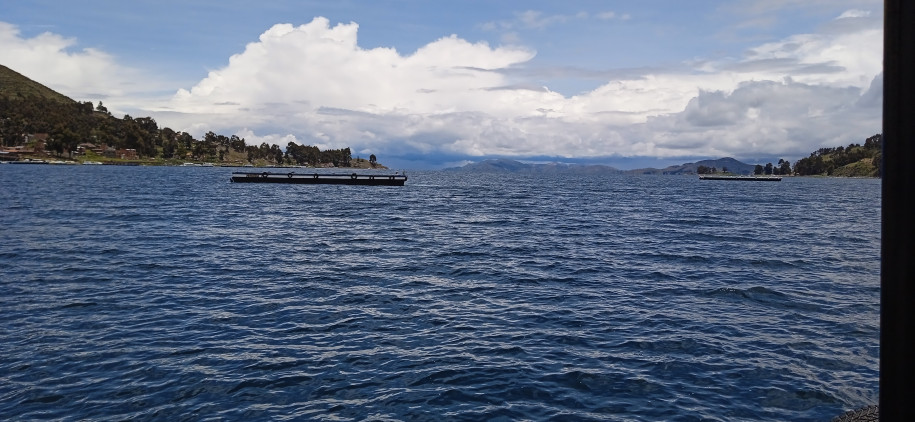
<point x="83" y="74"/>
<point x="314" y="84"/>
<point x="313" y="65"/>
<point x="80" y="73"/>
<point x="765" y="118"/>
<point x="50" y="59"/>
<point x="458" y="98"/>
<point x="252" y="138"/>
<point x="848" y="58"/>
<point x="306" y="76"/>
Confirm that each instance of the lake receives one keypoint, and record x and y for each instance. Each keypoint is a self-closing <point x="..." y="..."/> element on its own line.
<point x="153" y="293"/>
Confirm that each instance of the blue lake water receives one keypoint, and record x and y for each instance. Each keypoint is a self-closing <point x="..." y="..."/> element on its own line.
<point x="144" y="293"/>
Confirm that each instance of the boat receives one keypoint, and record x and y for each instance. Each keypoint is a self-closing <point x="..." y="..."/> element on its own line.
<point x="748" y="178"/>
<point x="396" y="179"/>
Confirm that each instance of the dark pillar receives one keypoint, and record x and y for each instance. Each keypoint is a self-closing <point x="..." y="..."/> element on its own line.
<point x="897" y="275"/>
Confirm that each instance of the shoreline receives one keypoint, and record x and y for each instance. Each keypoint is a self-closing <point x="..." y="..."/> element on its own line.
<point x="171" y="163"/>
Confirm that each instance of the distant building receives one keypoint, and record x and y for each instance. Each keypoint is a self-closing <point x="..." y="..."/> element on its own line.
<point x="37" y="140"/>
<point x="127" y="154"/>
<point x="82" y="148"/>
<point x="15" y="153"/>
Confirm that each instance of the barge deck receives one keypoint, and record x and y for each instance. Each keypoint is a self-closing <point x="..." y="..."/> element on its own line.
<point x="746" y="178"/>
<point x="321" y="178"/>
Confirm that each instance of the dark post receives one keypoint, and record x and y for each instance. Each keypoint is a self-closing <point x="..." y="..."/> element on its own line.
<point x="897" y="268"/>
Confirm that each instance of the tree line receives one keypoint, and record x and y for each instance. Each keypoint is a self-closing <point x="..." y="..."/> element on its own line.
<point x="824" y="161"/>
<point x="70" y="124"/>
<point x="828" y="160"/>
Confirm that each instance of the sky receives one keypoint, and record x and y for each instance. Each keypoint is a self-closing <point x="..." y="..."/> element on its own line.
<point x="433" y="84"/>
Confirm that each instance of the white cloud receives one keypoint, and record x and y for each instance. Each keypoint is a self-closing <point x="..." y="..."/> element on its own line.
<point x="315" y="66"/>
<point x="252" y="138"/>
<point x="854" y="58"/>
<point x="83" y="74"/>
<point x="761" y="118"/>
<point x="606" y="15"/>
<point x="854" y="13"/>
<point x="313" y="84"/>
<point x="455" y="97"/>
<point x="536" y="19"/>
<point x="611" y="15"/>
<point x="51" y="60"/>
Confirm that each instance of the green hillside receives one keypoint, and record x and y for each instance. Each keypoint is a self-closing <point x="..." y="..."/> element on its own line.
<point x="80" y="131"/>
<point x="15" y="86"/>
<point x="854" y="160"/>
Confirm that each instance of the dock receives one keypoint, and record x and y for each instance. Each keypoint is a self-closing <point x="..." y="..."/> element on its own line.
<point x="321" y="178"/>
<point x="747" y="178"/>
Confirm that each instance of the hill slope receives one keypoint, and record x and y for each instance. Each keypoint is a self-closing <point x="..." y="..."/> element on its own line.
<point x="512" y="166"/>
<point x="722" y="164"/>
<point x="14" y="85"/>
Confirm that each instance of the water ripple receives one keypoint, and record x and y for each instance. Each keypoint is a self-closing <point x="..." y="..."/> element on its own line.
<point x="169" y="293"/>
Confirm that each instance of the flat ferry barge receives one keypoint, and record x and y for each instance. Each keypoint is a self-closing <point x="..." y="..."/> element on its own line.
<point x="321" y="178"/>
<point x="746" y="178"/>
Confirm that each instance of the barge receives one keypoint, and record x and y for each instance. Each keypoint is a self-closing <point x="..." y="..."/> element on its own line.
<point x="749" y="178"/>
<point x="321" y="178"/>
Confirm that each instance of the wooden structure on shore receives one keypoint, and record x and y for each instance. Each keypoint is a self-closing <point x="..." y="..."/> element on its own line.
<point x="321" y="178"/>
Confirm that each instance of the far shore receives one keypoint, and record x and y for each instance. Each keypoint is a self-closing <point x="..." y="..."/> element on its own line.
<point x="361" y="164"/>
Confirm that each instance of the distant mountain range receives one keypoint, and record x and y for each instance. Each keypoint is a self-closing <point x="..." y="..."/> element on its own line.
<point x="727" y="164"/>
<point x="512" y="166"/>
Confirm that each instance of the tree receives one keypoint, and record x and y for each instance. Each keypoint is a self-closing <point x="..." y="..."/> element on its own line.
<point x="148" y="124"/>
<point x="140" y="134"/>
<point x="706" y="170"/>
<point x="252" y="153"/>
<point x="784" y="167"/>
<point x="276" y="154"/>
<point x="874" y="142"/>
<point x="180" y="151"/>
<point x="169" y="148"/>
<point x="238" y="144"/>
<point x="62" y="139"/>
<point x="373" y="160"/>
<point x="185" y="139"/>
<point x="54" y="144"/>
